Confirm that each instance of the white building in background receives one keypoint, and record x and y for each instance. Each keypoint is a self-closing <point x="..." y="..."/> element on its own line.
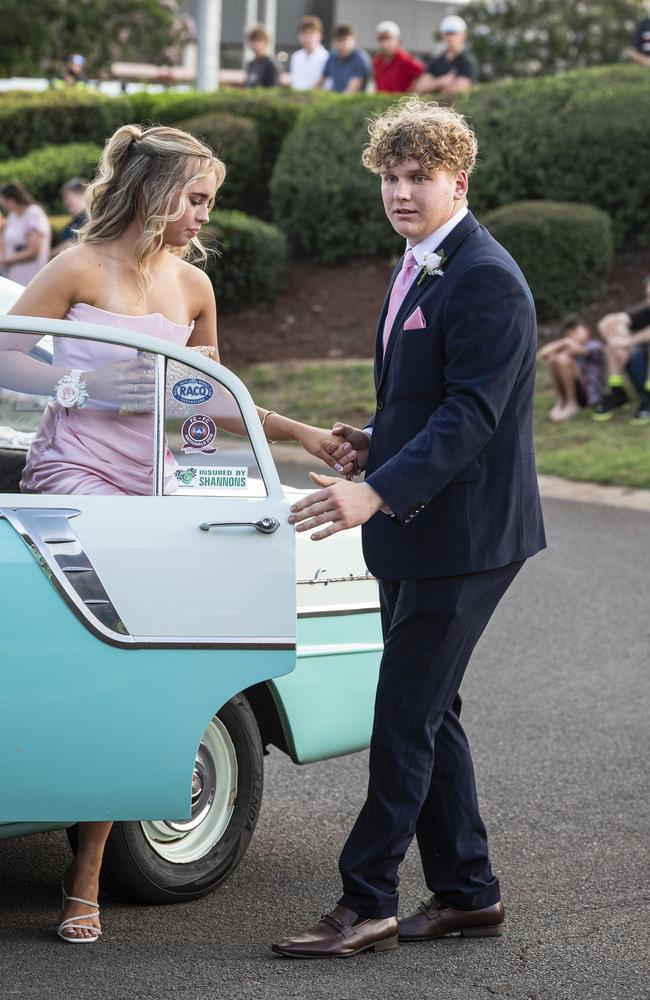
<point x="418" y="20"/>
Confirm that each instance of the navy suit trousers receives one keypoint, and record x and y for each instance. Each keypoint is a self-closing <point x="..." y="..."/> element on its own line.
<point x="421" y="778"/>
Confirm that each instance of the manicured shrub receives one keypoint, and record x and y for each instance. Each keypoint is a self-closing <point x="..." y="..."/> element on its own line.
<point x="274" y="112"/>
<point x="237" y="142"/>
<point x="250" y="265"/>
<point x="45" y="170"/>
<point x="564" y="249"/>
<point x="576" y="137"/>
<point x="326" y="202"/>
<point x="28" y="121"/>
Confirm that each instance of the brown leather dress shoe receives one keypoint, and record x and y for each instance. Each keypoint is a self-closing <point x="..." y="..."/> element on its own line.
<point x="337" y="936"/>
<point x="432" y="920"/>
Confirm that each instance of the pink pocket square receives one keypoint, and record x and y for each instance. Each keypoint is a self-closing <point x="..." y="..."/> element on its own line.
<point x="416" y="320"/>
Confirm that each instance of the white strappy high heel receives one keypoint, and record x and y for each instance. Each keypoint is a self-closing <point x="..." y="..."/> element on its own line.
<point x="72" y="923"/>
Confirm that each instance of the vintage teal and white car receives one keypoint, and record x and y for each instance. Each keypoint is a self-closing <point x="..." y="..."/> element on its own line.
<point x="136" y="629"/>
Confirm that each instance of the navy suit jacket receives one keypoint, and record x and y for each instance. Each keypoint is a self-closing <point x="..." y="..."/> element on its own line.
<point x="451" y="451"/>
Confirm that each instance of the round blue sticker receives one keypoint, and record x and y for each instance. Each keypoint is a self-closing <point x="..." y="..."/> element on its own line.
<point x="192" y="391"/>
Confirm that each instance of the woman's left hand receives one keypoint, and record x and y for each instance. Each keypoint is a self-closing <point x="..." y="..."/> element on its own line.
<point x="324" y="445"/>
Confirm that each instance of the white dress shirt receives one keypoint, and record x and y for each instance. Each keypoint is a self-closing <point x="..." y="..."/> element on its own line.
<point x="306" y="68"/>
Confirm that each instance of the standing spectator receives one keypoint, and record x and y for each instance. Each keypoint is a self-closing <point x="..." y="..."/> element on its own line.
<point x="641" y="50"/>
<point x="627" y="336"/>
<point x="72" y="73"/>
<point x="455" y="69"/>
<point x="263" y="70"/>
<point x="575" y="362"/>
<point x="73" y="197"/>
<point x="395" y="69"/>
<point x="308" y="62"/>
<point x="348" y="67"/>
<point x="26" y="237"/>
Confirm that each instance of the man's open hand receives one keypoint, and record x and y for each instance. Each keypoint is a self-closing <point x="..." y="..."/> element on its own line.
<point x="339" y="504"/>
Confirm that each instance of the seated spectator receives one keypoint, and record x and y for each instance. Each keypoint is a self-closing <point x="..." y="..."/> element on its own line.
<point x="395" y="69"/>
<point x="308" y="62"/>
<point x="576" y="363"/>
<point x="455" y="69"/>
<point x="626" y="336"/>
<point x="641" y="43"/>
<point x="348" y="67"/>
<point x="72" y="73"/>
<point x="262" y="70"/>
<point x="73" y="195"/>
<point x="26" y="237"/>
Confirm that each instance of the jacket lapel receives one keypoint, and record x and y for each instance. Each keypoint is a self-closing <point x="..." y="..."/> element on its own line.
<point x="450" y="245"/>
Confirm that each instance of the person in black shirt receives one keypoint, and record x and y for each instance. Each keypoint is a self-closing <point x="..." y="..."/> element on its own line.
<point x="641" y="50"/>
<point x="626" y="336"/>
<point x="72" y="195"/>
<point x="262" y="71"/>
<point x="455" y="69"/>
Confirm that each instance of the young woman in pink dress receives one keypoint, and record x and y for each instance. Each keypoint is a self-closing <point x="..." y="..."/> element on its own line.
<point x="153" y="192"/>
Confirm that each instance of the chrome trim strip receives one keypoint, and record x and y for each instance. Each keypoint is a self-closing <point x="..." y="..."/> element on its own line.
<point x="329" y="610"/>
<point x="334" y="649"/>
<point x="36" y="525"/>
<point x="320" y="576"/>
<point x="159" y="446"/>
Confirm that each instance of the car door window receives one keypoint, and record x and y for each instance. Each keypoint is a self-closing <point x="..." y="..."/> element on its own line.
<point x="208" y="449"/>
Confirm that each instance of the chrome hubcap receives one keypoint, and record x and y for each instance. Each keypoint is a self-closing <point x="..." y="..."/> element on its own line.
<point x="214" y="791"/>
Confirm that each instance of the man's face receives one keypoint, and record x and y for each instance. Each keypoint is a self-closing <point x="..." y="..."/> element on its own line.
<point x="454" y="41"/>
<point x="73" y="201"/>
<point x="343" y="46"/>
<point x="418" y="201"/>
<point x="260" y="46"/>
<point x="388" y="44"/>
<point x="309" y="39"/>
<point x="580" y="334"/>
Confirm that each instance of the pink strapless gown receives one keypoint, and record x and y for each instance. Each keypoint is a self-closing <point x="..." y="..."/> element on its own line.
<point x="94" y="450"/>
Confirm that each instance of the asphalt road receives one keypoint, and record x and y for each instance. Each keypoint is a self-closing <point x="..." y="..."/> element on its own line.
<point x="557" y="708"/>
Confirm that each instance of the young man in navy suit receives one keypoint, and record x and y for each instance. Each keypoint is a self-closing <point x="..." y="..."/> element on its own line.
<point x="450" y="510"/>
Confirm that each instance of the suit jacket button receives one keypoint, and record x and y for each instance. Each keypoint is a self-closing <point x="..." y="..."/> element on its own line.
<point x="380" y="404"/>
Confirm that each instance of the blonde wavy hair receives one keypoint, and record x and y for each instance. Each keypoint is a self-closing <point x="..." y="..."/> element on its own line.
<point x="438" y="137"/>
<point x="143" y="174"/>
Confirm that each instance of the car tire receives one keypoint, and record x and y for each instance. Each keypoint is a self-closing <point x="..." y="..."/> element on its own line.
<point x="173" y="862"/>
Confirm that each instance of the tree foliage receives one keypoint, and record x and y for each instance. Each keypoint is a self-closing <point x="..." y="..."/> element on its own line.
<point x="38" y="34"/>
<point x="531" y="37"/>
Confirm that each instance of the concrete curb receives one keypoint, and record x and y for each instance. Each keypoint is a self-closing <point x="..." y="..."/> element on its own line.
<point x="552" y="487"/>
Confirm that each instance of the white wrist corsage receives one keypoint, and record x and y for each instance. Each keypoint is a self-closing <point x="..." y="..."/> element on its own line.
<point x="71" y="390"/>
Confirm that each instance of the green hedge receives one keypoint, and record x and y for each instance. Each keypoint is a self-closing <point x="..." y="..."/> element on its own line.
<point x="326" y="202"/>
<point x="250" y="264"/>
<point x="236" y="141"/>
<point x="565" y="251"/>
<point x="581" y="136"/>
<point x="45" y="170"/>
<point x="28" y="121"/>
<point x="274" y="112"/>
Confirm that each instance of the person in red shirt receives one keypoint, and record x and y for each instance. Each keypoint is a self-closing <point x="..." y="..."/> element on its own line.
<point x="395" y="68"/>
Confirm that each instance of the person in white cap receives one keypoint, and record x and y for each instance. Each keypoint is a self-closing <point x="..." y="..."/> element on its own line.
<point x="453" y="70"/>
<point x="396" y="70"/>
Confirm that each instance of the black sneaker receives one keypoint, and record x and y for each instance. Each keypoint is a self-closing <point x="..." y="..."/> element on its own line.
<point x="615" y="400"/>
<point x="642" y="415"/>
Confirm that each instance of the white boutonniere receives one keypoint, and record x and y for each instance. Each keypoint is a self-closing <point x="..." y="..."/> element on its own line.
<point x="432" y="265"/>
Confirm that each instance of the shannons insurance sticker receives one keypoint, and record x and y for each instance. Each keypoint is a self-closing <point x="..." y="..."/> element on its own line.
<point x="204" y="477"/>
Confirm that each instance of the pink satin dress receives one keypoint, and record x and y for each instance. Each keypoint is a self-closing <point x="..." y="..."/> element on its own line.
<point x="94" y="449"/>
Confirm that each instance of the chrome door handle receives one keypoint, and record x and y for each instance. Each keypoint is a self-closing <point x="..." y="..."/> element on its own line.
<point x="265" y="525"/>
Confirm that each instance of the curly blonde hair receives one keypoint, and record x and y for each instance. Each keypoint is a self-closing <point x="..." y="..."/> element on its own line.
<point x="414" y="129"/>
<point x="143" y="174"/>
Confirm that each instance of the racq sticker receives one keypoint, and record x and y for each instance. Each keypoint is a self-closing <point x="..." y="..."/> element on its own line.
<point x="192" y="391"/>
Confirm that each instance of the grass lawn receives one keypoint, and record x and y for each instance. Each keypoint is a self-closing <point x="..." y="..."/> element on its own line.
<point x="615" y="452"/>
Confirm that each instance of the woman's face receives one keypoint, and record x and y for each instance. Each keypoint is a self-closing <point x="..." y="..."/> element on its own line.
<point x="198" y="199"/>
<point x="8" y="204"/>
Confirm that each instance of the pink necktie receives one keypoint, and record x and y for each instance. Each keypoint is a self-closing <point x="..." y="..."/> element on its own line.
<point x="403" y="282"/>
